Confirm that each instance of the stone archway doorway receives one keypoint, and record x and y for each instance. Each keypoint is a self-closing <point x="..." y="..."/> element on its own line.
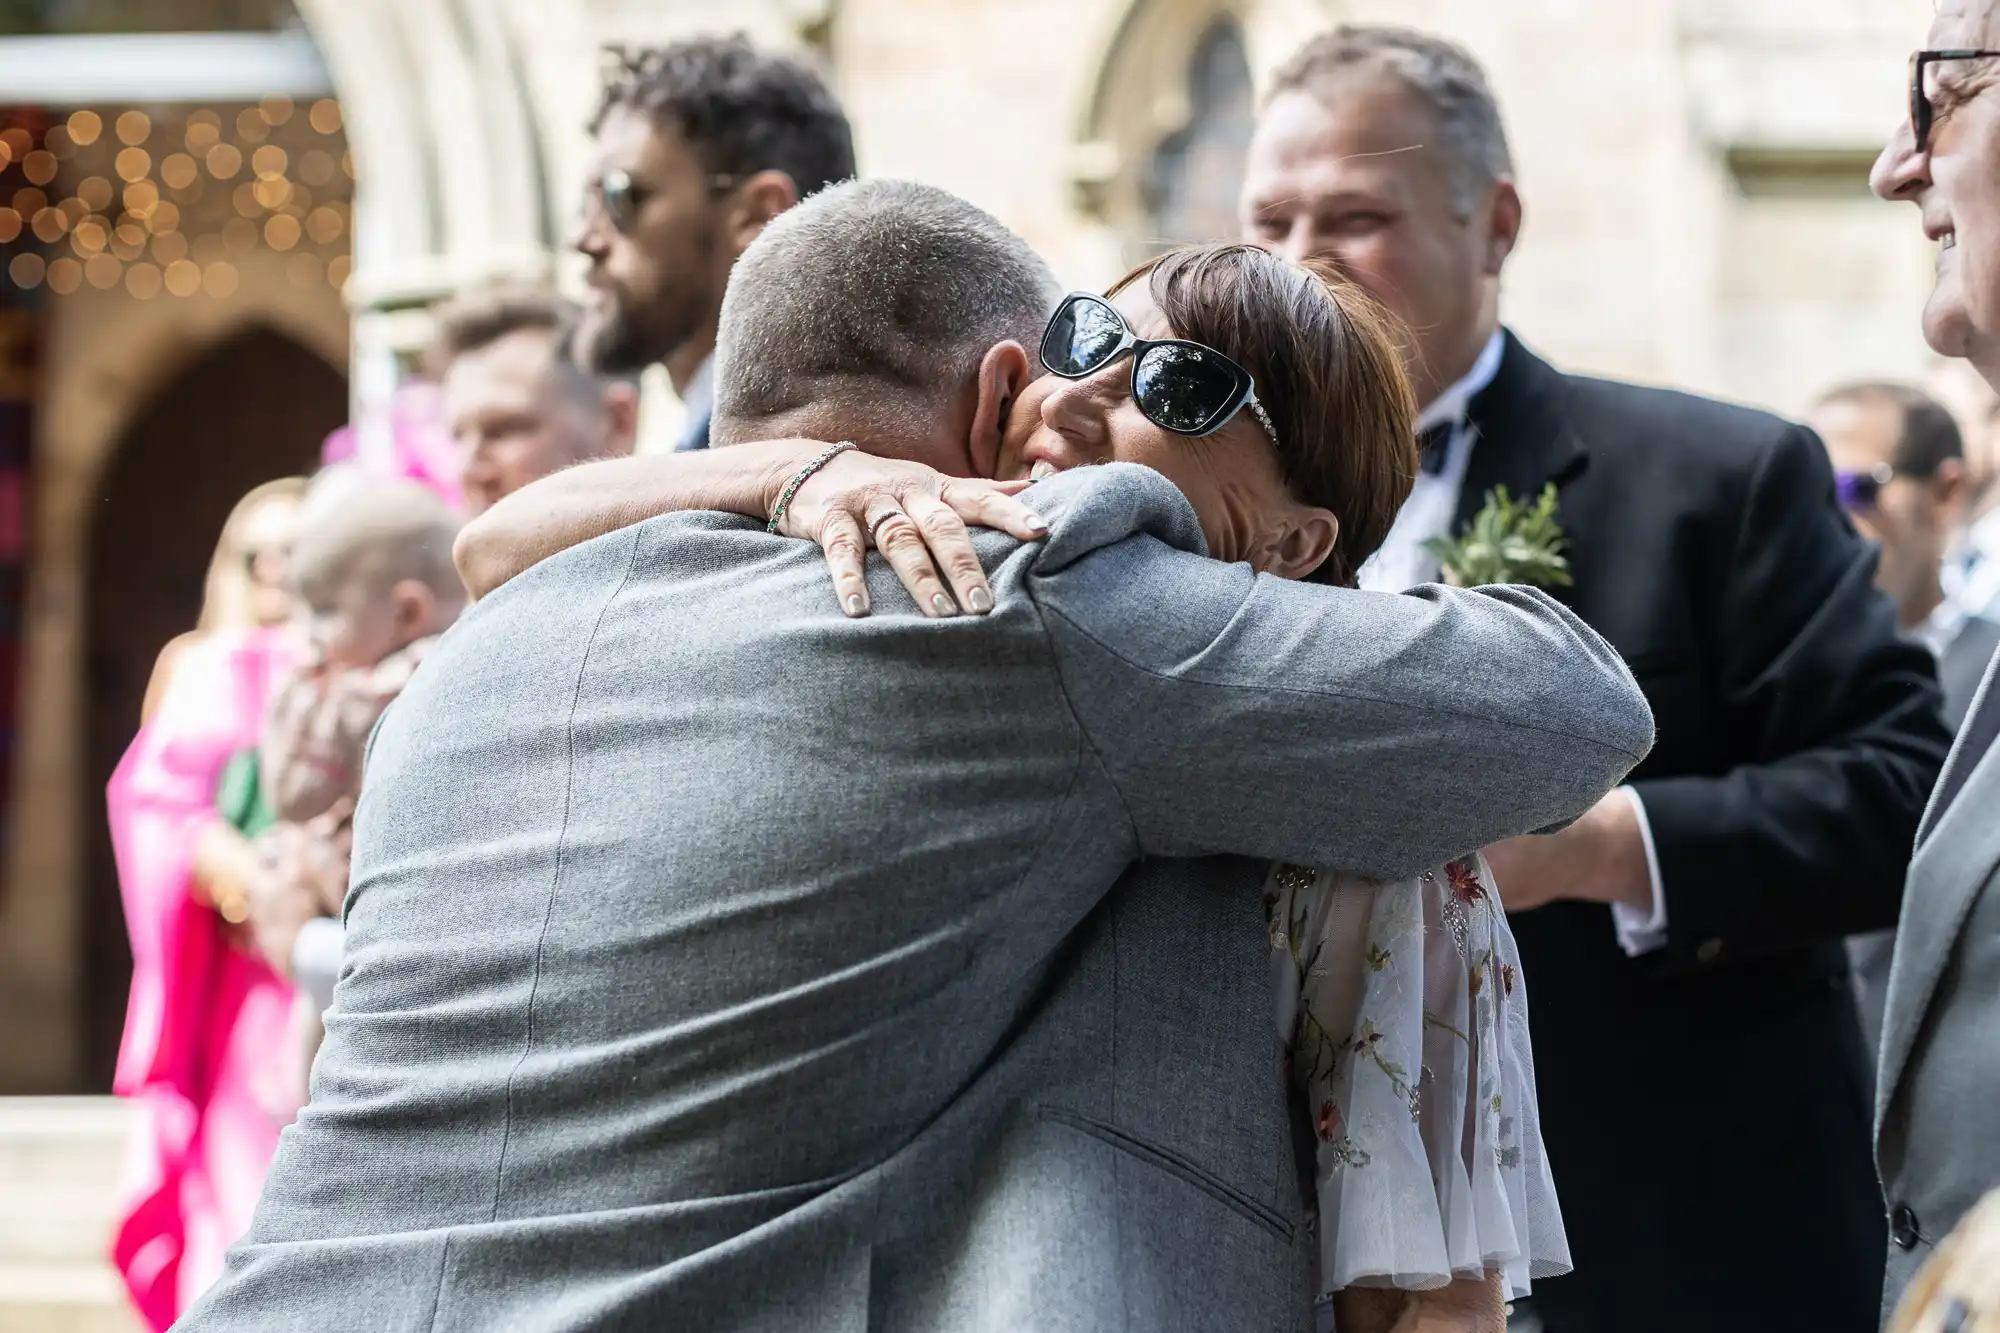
<point x="253" y="407"/>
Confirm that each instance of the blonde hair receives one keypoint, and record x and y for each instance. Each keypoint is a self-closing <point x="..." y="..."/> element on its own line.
<point x="227" y="602"/>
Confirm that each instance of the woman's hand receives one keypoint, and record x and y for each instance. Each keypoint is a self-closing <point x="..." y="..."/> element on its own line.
<point x="916" y="516"/>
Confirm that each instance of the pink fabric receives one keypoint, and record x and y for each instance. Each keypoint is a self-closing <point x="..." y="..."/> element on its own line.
<point x="406" y="439"/>
<point x="206" y="1028"/>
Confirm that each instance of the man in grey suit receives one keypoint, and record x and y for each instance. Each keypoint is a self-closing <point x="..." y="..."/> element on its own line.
<point x="718" y="961"/>
<point x="1939" y="1076"/>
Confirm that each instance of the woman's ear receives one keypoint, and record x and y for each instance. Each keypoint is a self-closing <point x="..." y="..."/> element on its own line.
<point x="1300" y="545"/>
<point x="1003" y="372"/>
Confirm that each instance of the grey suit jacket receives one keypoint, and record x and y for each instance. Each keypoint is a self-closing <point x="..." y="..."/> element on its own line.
<point x="717" y="962"/>
<point x="1936" y="1142"/>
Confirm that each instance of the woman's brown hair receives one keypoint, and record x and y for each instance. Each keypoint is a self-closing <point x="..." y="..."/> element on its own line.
<point x="1324" y="358"/>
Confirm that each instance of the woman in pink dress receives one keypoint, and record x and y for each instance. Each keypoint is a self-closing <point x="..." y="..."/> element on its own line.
<point x="204" y="1051"/>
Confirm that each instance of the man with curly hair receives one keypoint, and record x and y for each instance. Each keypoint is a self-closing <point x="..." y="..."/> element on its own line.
<point x="698" y="146"/>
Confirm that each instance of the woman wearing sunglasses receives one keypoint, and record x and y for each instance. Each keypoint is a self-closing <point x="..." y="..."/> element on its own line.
<point x="1272" y="397"/>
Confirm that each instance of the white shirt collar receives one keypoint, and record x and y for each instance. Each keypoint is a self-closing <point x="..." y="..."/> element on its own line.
<point x="700" y="394"/>
<point x="1451" y="405"/>
<point x="1940" y="627"/>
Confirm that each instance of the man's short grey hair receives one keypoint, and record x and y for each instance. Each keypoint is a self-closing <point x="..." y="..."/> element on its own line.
<point x="1443" y="73"/>
<point x="873" y="300"/>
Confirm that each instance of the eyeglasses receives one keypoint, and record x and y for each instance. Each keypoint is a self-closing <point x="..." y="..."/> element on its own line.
<point x="1922" y="113"/>
<point x="1180" y="386"/>
<point x="621" y="197"/>
<point x="1859" y="492"/>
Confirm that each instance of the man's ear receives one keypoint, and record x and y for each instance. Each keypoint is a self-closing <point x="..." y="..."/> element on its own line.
<point x="1003" y="372"/>
<point x="758" y="199"/>
<point x="1301" y="545"/>
<point x="1504" y="227"/>
<point x="1947" y="487"/>
<point x="620" y="405"/>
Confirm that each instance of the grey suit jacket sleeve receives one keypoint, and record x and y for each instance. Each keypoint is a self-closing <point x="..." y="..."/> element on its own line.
<point x="1380" y="733"/>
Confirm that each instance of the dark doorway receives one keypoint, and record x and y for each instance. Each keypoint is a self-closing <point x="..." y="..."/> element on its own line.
<point x="252" y="408"/>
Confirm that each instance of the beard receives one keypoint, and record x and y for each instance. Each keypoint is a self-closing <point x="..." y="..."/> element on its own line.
<point x="618" y="340"/>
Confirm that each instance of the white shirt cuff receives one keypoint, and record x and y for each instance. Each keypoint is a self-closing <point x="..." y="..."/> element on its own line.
<point x="316" y="958"/>
<point x="1642" y="932"/>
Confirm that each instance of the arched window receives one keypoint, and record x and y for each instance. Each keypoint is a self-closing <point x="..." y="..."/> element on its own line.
<point x="1159" y="158"/>
<point x="1191" y="182"/>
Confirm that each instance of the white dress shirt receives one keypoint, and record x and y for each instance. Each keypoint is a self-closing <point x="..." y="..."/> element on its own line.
<point x="1402" y="562"/>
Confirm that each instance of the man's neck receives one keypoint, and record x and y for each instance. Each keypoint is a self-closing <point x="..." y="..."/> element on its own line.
<point x="686" y="361"/>
<point x="1460" y="365"/>
<point x="1913" y="611"/>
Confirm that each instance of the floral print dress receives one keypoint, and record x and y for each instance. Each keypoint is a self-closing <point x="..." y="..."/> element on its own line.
<point x="1405" y="1021"/>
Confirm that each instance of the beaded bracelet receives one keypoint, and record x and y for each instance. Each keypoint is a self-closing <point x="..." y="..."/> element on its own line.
<point x="804" y="475"/>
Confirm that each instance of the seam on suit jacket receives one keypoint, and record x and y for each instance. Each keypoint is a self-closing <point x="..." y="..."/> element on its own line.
<point x="1177" y="1166"/>
<point x="555" y="879"/>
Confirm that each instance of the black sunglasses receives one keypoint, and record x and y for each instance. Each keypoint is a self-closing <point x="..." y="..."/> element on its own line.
<point x="1922" y="114"/>
<point x="1181" y="386"/>
<point x="621" y="197"/>
<point x="1859" y="492"/>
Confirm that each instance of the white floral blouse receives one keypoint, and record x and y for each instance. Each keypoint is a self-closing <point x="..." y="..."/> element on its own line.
<point x="1405" y="1019"/>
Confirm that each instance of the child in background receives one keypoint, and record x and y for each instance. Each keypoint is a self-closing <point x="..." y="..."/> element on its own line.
<point x="374" y="574"/>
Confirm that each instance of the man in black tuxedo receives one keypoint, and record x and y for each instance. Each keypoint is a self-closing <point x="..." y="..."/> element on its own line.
<point x="1699" y="1062"/>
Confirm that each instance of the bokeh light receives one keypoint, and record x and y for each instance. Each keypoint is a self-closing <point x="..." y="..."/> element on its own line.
<point x="276" y="109"/>
<point x="84" y="127"/>
<point x="338" y="270"/>
<point x="143" y="281"/>
<point x="317" y="167"/>
<point x="281" y="232"/>
<point x="204" y="131"/>
<point x="165" y="217"/>
<point x="128" y="240"/>
<point x="140" y="197"/>
<point x="269" y="162"/>
<point x="40" y="166"/>
<point x="183" y="277"/>
<point x="50" y="224"/>
<point x="65" y="276"/>
<point x="27" y="270"/>
<point x="170" y="247"/>
<point x="219" y="279"/>
<point x="244" y="198"/>
<point x="10" y="225"/>
<point x="19" y="142"/>
<point x="179" y="171"/>
<point x="325" y="116"/>
<point x="57" y="141"/>
<point x="95" y="191"/>
<point x="133" y="164"/>
<point x="89" y="237"/>
<point x="325" y="224"/>
<point x="29" y="202"/>
<point x="251" y="125"/>
<point x="224" y="161"/>
<point x="133" y="127"/>
<point x="103" y="271"/>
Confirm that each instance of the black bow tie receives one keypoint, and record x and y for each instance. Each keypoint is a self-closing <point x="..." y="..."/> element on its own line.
<point x="1434" y="445"/>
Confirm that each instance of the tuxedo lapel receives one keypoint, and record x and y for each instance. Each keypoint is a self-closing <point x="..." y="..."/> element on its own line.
<point x="1522" y="434"/>
<point x="1958" y="844"/>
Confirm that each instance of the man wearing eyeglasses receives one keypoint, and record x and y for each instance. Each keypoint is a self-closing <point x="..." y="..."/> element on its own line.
<point x="698" y="146"/>
<point x="1899" y="470"/>
<point x="1697" y="1057"/>
<point x="1939" y="1077"/>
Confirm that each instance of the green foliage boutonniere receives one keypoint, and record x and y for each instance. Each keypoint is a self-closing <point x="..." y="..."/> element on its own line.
<point x="1509" y="541"/>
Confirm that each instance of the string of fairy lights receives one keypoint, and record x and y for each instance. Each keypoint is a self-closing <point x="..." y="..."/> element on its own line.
<point x="173" y="205"/>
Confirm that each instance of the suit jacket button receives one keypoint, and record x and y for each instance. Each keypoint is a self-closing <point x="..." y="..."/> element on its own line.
<point x="1708" y="951"/>
<point x="1903" y="1227"/>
